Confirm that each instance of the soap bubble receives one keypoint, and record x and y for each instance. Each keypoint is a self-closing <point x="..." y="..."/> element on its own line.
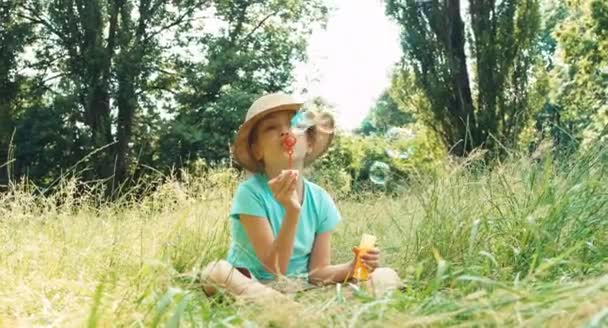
<point x="307" y="118"/>
<point x="403" y="155"/>
<point x="325" y="123"/>
<point x="395" y="133"/>
<point x="392" y="153"/>
<point x="379" y="173"/>
<point x="302" y="121"/>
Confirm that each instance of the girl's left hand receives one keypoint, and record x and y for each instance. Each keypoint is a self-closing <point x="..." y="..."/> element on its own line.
<point x="370" y="258"/>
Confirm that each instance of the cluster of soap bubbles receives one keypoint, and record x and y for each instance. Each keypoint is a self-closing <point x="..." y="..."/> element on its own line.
<point x="403" y="155"/>
<point x="308" y="117"/>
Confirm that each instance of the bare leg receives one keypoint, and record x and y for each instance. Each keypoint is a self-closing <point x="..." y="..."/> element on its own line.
<point x="221" y="274"/>
<point x="384" y="280"/>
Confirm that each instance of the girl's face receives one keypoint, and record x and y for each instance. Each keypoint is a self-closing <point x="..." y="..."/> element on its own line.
<point x="268" y="146"/>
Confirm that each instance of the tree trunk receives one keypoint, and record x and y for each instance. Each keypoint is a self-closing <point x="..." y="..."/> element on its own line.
<point x="127" y="103"/>
<point x="96" y="60"/>
<point x="129" y="68"/>
<point x="461" y="104"/>
<point x="5" y="138"/>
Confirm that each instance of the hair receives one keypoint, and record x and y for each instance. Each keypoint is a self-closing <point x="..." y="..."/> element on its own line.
<point x="311" y="135"/>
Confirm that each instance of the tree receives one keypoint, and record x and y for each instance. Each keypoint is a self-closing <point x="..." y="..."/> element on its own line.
<point x="138" y="61"/>
<point x="136" y="92"/>
<point x="14" y="35"/>
<point x="580" y="73"/>
<point x="546" y="121"/>
<point x="75" y="47"/>
<point x="502" y="50"/>
<point x="254" y="53"/>
<point x="384" y="115"/>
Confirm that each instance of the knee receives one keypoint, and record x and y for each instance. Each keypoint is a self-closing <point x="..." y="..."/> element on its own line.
<point x="386" y="275"/>
<point x="385" y="280"/>
<point x="216" y="271"/>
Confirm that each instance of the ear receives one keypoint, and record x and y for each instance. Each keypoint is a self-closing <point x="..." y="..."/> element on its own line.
<point x="256" y="151"/>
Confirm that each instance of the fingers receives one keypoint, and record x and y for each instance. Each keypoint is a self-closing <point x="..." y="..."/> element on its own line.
<point x="367" y="252"/>
<point x="277" y="183"/>
<point x="280" y="178"/>
<point x="288" y="184"/>
<point x="373" y="250"/>
<point x="371" y="259"/>
<point x="293" y="178"/>
<point x="371" y="266"/>
<point x="284" y="185"/>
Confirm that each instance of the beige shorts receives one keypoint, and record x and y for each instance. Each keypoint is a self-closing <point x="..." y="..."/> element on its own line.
<point x="287" y="285"/>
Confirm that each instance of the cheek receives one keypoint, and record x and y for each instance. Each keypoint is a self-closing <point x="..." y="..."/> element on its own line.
<point x="267" y="141"/>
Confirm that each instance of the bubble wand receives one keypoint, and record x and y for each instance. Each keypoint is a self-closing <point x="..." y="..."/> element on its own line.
<point x="289" y="141"/>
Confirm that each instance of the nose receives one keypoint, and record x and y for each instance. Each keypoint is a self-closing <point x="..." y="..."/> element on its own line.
<point x="284" y="130"/>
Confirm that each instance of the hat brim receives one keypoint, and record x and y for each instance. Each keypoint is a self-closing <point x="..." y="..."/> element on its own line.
<point x="241" y="151"/>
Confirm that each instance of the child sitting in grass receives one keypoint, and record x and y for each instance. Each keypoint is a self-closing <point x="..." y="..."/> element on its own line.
<point x="282" y="223"/>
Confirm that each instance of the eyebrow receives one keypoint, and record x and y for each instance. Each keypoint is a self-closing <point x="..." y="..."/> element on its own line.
<point x="273" y="115"/>
<point x="270" y="117"/>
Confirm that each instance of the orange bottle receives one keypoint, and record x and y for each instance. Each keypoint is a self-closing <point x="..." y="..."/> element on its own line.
<point x="360" y="271"/>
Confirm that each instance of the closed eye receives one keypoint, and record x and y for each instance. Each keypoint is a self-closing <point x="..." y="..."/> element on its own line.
<point x="270" y="127"/>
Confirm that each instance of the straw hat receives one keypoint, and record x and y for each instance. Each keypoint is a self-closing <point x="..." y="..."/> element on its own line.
<point x="263" y="106"/>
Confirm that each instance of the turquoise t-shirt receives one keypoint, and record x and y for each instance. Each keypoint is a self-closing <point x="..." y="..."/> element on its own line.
<point x="254" y="197"/>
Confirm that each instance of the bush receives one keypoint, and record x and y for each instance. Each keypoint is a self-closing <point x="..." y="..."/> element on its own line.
<point x="409" y="153"/>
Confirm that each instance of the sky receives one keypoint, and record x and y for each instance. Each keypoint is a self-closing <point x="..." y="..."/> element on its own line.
<point x="350" y="62"/>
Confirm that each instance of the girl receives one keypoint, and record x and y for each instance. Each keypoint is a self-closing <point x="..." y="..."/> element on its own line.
<point x="281" y="222"/>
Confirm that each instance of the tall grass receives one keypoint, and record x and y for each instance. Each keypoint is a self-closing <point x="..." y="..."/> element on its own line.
<point x="524" y="243"/>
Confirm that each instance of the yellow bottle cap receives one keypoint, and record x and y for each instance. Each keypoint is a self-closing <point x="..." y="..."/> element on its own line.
<point x="367" y="241"/>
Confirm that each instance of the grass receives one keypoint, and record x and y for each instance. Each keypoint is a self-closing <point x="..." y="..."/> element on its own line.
<point x="522" y="244"/>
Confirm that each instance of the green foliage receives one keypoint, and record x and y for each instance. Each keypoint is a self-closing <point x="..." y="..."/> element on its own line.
<point x="41" y="156"/>
<point x="524" y="242"/>
<point x="14" y="35"/>
<point x="410" y="153"/>
<point x="115" y="88"/>
<point x="253" y="55"/>
<point x="545" y="197"/>
<point x="385" y="114"/>
<point x="503" y="48"/>
<point x="195" y="135"/>
<point x="570" y="87"/>
<point x="122" y="77"/>
<point x="580" y="76"/>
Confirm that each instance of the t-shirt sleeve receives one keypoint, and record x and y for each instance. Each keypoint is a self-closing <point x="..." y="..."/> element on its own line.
<point x="330" y="215"/>
<point x="247" y="201"/>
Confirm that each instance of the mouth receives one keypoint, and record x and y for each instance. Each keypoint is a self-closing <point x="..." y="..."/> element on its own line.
<point x="288" y="142"/>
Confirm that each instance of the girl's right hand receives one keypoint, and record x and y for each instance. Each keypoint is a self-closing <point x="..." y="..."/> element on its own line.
<point x="283" y="189"/>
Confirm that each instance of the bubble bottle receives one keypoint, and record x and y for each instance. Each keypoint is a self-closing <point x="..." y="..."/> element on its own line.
<point x="360" y="273"/>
